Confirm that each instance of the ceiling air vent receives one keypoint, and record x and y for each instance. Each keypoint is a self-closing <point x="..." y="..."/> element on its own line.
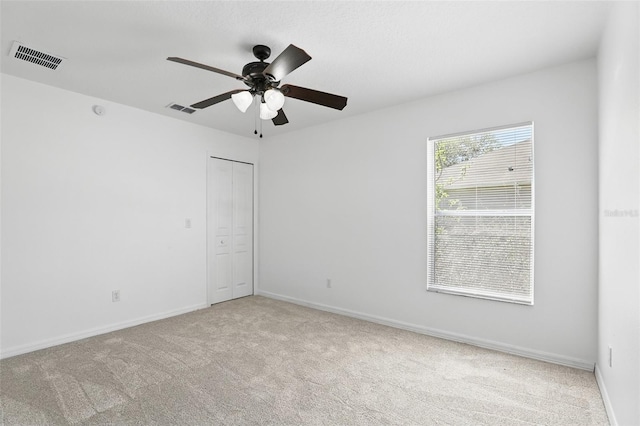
<point x="38" y="57"/>
<point x="181" y="108"/>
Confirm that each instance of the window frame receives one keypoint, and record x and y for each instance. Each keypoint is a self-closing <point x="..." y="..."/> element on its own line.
<point x="432" y="214"/>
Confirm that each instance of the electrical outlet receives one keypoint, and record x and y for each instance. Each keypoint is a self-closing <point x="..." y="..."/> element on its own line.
<point x="328" y="282"/>
<point x="115" y="296"/>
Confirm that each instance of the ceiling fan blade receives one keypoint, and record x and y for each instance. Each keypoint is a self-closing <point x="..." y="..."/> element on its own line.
<point x="314" y="96"/>
<point x="205" y="67"/>
<point x="215" y="99"/>
<point x="280" y="119"/>
<point x="290" y="59"/>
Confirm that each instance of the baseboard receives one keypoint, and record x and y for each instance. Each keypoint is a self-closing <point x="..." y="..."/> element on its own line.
<point x="461" y="338"/>
<point x="72" y="337"/>
<point x="605" y="397"/>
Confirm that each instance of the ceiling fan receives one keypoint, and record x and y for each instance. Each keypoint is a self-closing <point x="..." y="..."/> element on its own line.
<point x="263" y="79"/>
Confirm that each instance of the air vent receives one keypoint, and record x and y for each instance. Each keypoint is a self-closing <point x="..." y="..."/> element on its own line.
<point x="35" y="56"/>
<point x="181" y="108"/>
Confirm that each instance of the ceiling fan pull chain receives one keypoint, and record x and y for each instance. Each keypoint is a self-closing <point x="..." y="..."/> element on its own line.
<point x="255" y="116"/>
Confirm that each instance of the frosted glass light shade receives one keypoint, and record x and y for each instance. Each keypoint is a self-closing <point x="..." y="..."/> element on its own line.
<point x="274" y="99"/>
<point x="266" y="113"/>
<point x="242" y="100"/>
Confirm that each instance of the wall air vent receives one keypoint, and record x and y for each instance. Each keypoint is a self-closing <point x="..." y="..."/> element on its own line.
<point x="181" y="108"/>
<point x="35" y="56"/>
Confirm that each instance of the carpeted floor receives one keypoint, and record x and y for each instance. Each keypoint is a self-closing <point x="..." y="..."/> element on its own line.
<point x="261" y="361"/>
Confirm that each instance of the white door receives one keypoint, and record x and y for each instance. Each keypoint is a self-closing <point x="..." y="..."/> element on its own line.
<point x="230" y="230"/>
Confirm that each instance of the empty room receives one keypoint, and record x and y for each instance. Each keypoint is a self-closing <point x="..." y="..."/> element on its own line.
<point x="320" y="212"/>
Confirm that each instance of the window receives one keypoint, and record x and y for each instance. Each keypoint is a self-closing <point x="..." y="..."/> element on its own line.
<point x="480" y="223"/>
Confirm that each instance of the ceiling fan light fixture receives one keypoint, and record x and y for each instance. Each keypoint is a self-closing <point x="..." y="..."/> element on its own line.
<point x="274" y="99"/>
<point x="266" y="113"/>
<point x="242" y="100"/>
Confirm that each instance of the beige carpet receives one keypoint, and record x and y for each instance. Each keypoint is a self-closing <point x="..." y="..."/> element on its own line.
<point x="261" y="361"/>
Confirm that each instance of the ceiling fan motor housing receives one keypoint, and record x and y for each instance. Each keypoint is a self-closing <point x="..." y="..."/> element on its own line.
<point x="254" y="69"/>
<point x="256" y="79"/>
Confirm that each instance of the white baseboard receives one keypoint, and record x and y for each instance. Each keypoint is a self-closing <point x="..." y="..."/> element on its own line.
<point x="605" y="397"/>
<point x="461" y="338"/>
<point x="72" y="337"/>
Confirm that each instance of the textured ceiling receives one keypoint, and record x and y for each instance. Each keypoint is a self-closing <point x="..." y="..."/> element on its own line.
<point x="377" y="54"/>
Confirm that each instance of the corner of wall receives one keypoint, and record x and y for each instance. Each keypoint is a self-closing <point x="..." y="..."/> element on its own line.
<point x="605" y="396"/>
<point x="619" y="202"/>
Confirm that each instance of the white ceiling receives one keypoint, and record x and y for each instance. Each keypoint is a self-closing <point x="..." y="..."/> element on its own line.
<point x="377" y="54"/>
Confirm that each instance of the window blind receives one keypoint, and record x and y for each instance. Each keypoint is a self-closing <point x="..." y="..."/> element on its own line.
<point x="481" y="204"/>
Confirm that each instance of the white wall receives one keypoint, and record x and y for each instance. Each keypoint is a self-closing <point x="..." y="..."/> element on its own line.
<point x="347" y="201"/>
<point x="91" y="204"/>
<point x="619" y="291"/>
